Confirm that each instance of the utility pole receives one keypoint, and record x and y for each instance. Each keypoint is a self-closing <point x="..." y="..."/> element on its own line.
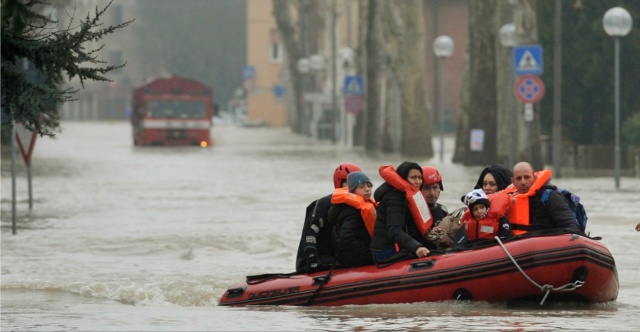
<point x="334" y="101"/>
<point x="557" y="91"/>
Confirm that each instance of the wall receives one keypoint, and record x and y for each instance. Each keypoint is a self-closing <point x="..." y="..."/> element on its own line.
<point x="262" y="104"/>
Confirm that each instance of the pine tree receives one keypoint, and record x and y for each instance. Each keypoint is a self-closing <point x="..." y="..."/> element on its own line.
<point x="29" y="37"/>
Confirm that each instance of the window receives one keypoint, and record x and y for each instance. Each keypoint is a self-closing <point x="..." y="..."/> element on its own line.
<point x="275" y="52"/>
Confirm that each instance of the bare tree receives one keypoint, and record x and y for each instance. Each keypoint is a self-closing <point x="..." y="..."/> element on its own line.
<point x="373" y="58"/>
<point x="396" y="118"/>
<point x="301" y="38"/>
<point x="405" y="46"/>
<point x="482" y="106"/>
<point x="529" y="142"/>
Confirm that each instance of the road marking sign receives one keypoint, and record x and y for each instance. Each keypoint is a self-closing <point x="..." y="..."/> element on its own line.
<point x="353" y="85"/>
<point x="527" y="60"/>
<point x="529" y="89"/>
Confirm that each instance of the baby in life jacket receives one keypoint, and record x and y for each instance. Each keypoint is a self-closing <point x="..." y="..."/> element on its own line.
<point x="485" y="217"/>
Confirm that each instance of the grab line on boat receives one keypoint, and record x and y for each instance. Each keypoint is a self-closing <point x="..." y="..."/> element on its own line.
<point x="572" y="286"/>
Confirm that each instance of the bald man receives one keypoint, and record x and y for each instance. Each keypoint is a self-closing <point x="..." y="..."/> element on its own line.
<point x="554" y="214"/>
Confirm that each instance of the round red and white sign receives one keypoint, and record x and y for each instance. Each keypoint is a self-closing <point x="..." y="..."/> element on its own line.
<point x="529" y="89"/>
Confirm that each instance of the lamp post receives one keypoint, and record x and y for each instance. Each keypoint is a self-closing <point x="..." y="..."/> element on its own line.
<point x="508" y="40"/>
<point x="617" y="23"/>
<point x="442" y="48"/>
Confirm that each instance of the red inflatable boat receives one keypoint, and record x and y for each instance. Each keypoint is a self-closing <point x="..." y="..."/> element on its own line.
<point x="560" y="267"/>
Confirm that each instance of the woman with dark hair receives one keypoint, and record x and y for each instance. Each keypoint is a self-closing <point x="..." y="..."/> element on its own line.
<point x="395" y="223"/>
<point x="493" y="179"/>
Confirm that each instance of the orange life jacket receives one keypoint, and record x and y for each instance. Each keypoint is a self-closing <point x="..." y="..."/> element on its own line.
<point x="367" y="207"/>
<point x="518" y="212"/>
<point x="417" y="204"/>
<point x="487" y="227"/>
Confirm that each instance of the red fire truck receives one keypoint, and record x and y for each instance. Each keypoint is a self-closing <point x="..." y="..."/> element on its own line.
<point x="172" y="110"/>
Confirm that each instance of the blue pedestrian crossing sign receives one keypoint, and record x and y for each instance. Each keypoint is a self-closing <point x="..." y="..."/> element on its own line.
<point x="353" y="85"/>
<point x="527" y="60"/>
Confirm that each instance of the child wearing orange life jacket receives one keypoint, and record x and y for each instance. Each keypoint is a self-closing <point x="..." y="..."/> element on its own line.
<point x="485" y="218"/>
<point x="353" y="216"/>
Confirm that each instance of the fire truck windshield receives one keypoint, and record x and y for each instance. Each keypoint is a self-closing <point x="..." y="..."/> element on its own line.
<point x="182" y="109"/>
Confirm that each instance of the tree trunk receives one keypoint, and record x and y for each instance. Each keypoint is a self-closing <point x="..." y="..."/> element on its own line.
<point x="529" y="142"/>
<point x="373" y="63"/>
<point x="461" y="146"/>
<point x="291" y="43"/>
<point x="506" y="130"/>
<point x="482" y="97"/>
<point x="403" y="27"/>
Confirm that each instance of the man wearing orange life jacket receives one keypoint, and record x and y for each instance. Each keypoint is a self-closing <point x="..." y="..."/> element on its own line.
<point x="353" y="216"/>
<point x="527" y="212"/>
<point x="396" y="213"/>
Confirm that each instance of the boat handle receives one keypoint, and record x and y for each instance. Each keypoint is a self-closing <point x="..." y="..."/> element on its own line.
<point x="421" y="265"/>
<point x="321" y="280"/>
<point x="235" y="292"/>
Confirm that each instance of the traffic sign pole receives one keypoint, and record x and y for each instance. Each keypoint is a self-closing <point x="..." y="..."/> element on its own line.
<point x="13" y="177"/>
<point x="353" y="102"/>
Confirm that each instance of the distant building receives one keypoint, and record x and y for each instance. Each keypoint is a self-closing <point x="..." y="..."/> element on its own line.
<point x="265" y="56"/>
<point x="264" y="74"/>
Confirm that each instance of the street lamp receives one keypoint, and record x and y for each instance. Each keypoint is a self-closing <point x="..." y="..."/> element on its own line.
<point x="303" y="66"/>
<point x="508" y="39"/>
<point x="617" y="23"/>
<point x="442" y="48"/>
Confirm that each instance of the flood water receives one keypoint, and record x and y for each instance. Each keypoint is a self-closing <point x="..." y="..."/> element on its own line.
<point x="148" y="239"/>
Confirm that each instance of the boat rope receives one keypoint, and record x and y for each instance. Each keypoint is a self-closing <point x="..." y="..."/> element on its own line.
<point x="324" y="280"/>
<point x="572" y="286"/>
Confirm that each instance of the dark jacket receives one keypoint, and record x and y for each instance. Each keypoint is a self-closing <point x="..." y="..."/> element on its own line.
<point x="554" y="214"/>
<point x="394" y="221"/>
<point x="351" y="239"/>
<point x="315" y="251"/>
<point x="438" y="212"/>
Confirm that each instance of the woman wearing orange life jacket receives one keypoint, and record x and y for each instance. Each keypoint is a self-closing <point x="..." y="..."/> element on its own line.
<point x="485" y="217"/>
<point x="402" y="214"/>
<point x="353" y="216"/>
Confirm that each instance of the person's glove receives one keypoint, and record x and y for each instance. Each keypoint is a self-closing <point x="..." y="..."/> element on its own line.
<point x="313" y="262"/>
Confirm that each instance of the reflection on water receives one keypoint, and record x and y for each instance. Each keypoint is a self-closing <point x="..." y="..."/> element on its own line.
<point x="131" y="238"/>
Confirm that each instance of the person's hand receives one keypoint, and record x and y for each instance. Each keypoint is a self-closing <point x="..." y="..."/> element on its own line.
<point x="422" y="252"/>
<point x="638" y="227"/>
